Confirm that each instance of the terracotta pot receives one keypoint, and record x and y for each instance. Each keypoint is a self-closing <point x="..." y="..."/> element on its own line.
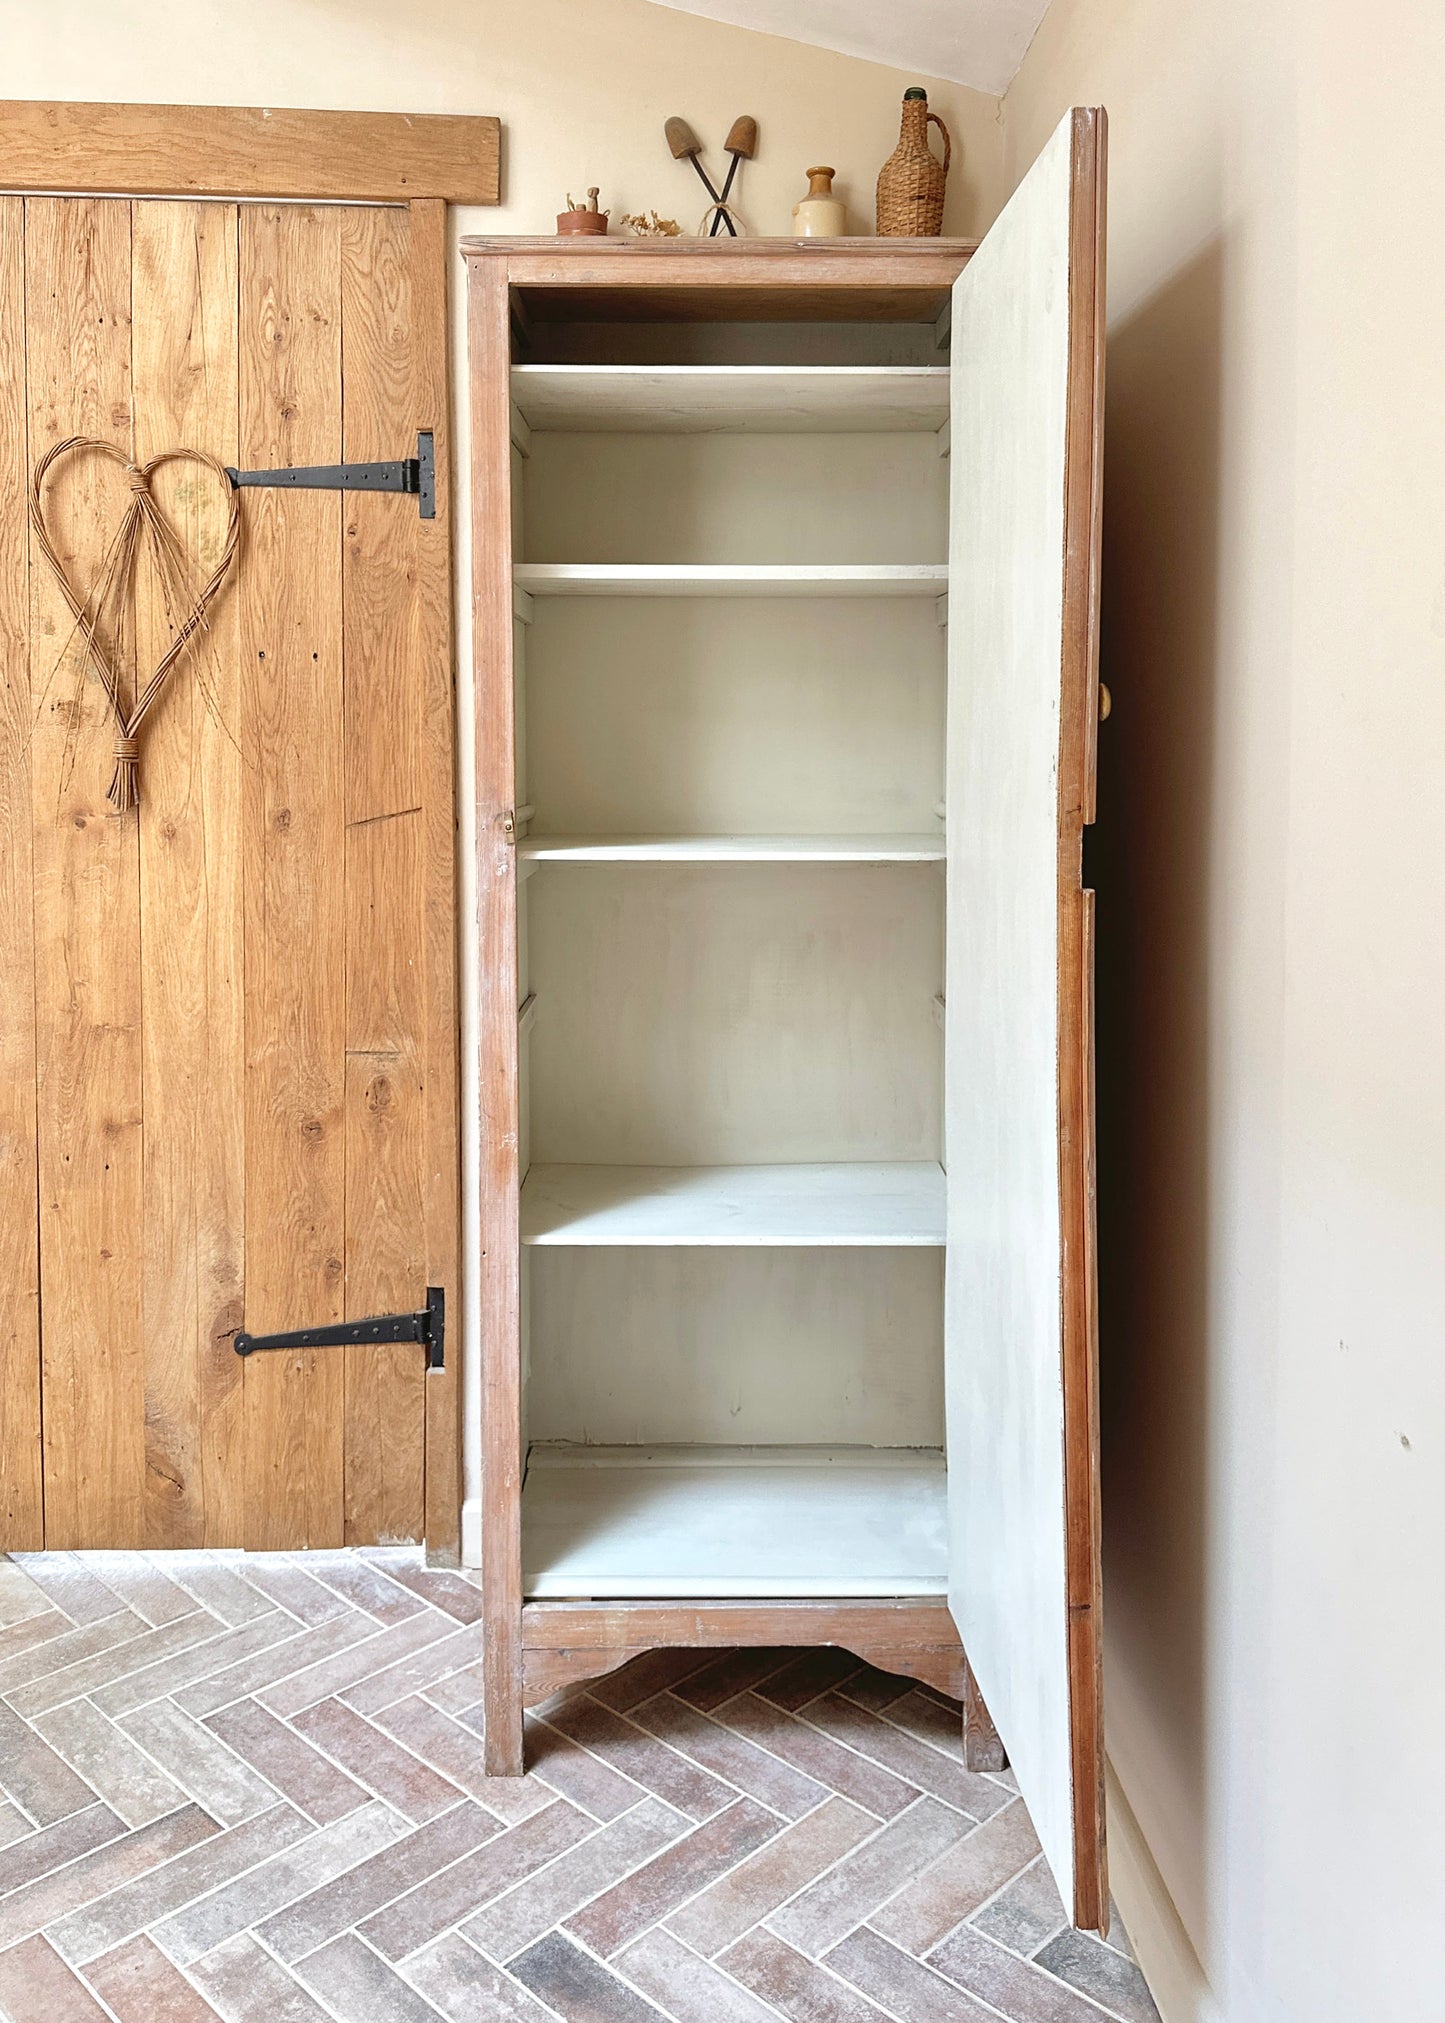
<point x="588" y="223"/>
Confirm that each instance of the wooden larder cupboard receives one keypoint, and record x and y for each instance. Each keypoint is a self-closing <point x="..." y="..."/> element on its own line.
<point x="787" y="695"/>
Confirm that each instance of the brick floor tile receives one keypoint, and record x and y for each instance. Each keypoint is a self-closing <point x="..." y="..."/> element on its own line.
<point x="170" y="1674"/>
<point x="393" y="1773"/>
<point x="453" y="1593"/>
<point x="291" y="1587"/>
<point x="874" y="1689"/>
<point x="141" y="1986"/>
<point x="457" y="1753"/>
<point x="651" y="1763"/>
<point x="36" y="1986"/>
<point x="908" y="1988"/>
<point x="644" y="1898"/>
<point x="729" y="1755"/>
<point x="364" y="1586"/>
<point x="36" y="1854"/>
<point x="465" y="1988"/>
<point x="124" y="1776"/>
<point x="212" y="1774"/>
<point x="732" y="1673"/>
<point x="925" y="1716"/>
<point x="929" y="1769"/>
<point x="101" y="1922"/>
<point x="248" y="1986"/>
<point x="372" y="1654"/>
<point x="32" y="1630"/>
<point x="361" y="1987"/>
<point x="1011" y="1985"/>
<point x="1098" y="1970"/>
<point x="577" y="1774"/>
<point x="780" y="1869"/>
<point x="966" y="1877"/>
<point x="512" y="1923"/>
<point x="141" y="1585"/>
<point x="1026" y="1915"/>
<point x="797" y="1988"/>
<point x="219" y="1588"/>
<point x="818" y="1755"/>
<point x="67" y="1651"/>
<point x="425" y="1912"/>
<point x="286" y="1759"/>
<point x="19" y="1596"/>
<point x="578" y="1987"/>
<point x="41" y="1782"/>
<point x="325" y="1912"/>
<point x="85" y="1881"/>
<point x="689" y="1988"/>
<point x="414" y="1673"/>
<point x="459" y="1691"/>
<point x="102" y="1671"/>
<point x="811" y="1673"/>
<point x="258" y="1893"/>
<point x="65" y="1580"/>
<point x="293" y="1651"/>
<point x="642" y="1678"/>
<point x="13" y="1823"/>
<point x="854" y="1888"/>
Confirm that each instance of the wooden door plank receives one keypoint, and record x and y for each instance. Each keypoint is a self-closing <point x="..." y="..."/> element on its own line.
<point x="436" y="675"/>
<point x="249" y="151"/>
<point x="489" y="370"/>
<point x="293" y="851"/>
<point x="87" y="929"/>
<point x="385" y="865"/>
<point x="184" y="299"/>
<point x="21" y="1505"/>
<point x="1020" y="1389"/>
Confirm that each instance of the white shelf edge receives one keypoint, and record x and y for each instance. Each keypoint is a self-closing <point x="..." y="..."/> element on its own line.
<point x="752" y="579"/>
<point x="831" y="849"/>
<point x="862" y="1204"/>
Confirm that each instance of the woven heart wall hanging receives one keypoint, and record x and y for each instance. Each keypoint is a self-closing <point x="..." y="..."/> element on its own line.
<point x="103" y="612"/>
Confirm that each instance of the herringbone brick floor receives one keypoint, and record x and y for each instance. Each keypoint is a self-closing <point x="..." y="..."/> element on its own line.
<point x="250" y="1787"/>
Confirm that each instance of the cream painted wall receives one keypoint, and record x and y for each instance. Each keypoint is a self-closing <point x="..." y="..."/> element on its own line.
<point x="1272" y="968"/>
<point x="582" y="88"/>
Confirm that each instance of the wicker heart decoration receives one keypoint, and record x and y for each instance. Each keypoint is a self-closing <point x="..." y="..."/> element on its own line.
<point x="102" y="613"/>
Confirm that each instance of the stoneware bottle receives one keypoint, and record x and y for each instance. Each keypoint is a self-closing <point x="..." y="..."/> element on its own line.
<point x="910" y="183"/>
<point x="820" y="215"/>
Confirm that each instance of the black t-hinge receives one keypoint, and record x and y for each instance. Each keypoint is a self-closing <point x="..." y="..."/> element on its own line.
<point x="427" y="1327"/>
<point x="417" y="475"/>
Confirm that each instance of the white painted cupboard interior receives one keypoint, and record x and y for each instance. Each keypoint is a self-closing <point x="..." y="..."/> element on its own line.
<point x="731" y="945"/>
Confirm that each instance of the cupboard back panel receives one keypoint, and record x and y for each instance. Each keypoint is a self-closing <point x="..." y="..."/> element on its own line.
<point x="672" y="715"/>
<point x="734" y="1013"/>
<point x="736" y="498"/>
<point x="839" y="1347"/>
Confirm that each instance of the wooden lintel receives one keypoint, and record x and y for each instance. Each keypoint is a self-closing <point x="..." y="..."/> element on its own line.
<point x="249" y="151"/>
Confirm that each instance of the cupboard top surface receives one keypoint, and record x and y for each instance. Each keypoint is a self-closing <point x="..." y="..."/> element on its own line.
<point x="729" y="280"/>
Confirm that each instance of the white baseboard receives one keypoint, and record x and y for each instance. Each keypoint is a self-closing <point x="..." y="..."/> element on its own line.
<point x="472" y="1531"/>
<point x="1166" y="1956"/>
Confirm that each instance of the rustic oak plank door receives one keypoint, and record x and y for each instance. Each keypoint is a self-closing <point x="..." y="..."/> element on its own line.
<point x="1020" y="1332"/>
<point x="227" y="1019"/>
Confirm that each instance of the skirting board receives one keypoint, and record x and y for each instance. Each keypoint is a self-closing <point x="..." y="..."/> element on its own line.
<point x="472" y="1531"/>
<point x="1163" y="1948"/>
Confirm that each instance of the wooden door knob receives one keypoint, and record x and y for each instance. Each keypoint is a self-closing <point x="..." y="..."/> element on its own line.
<point x="1106" y="701"/>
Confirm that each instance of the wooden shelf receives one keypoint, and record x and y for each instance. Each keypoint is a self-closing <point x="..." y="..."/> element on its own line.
<point x="885" y="1205"/>
<point x="732" y="399"/>
<point x="742" y="579"/>
<point x="900" y="849"/>
<point x="718" y="1522"/>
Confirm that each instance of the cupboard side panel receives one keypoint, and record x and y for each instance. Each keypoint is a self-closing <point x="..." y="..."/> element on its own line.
<point x="489" y="368"/>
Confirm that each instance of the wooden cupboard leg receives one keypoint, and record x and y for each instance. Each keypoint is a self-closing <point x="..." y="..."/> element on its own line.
<point x="502" y="1708"/>
<point x="982" y="1749"/>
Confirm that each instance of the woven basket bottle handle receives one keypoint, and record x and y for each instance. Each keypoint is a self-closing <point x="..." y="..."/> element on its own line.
<point x="934" y="120"/>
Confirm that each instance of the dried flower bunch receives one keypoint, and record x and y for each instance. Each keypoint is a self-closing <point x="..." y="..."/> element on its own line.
<point x="647" y="225"/>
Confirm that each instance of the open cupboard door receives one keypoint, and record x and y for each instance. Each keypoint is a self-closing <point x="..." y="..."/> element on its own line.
<point x="1020" y="1314"/>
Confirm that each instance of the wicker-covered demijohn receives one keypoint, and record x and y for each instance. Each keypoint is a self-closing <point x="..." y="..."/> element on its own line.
<point x="911" y="181"/>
